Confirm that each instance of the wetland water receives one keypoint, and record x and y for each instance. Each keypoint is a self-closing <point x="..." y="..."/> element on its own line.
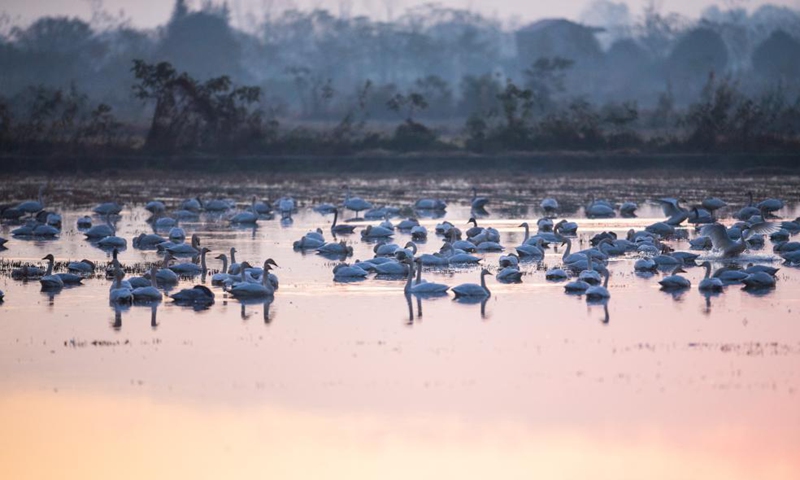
<point x="339" y="380"/>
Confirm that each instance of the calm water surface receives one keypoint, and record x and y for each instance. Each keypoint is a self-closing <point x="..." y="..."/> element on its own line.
<point x="350" y="381"/>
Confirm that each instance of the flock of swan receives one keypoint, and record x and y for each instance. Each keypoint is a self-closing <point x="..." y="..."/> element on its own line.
<point x="584" y="272"/>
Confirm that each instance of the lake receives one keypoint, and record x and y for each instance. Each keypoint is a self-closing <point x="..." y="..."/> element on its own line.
<point x="354" y="380"/>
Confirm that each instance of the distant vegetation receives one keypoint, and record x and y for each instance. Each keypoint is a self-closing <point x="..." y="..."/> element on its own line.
<point x="433" y="80"/>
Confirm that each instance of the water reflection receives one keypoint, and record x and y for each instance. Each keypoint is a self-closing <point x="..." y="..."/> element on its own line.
<point x="265" y="303"/>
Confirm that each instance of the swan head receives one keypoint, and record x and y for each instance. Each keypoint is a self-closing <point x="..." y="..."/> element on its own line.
<point x="205" y="250"/>
<point x="270" y="261"/>
<point x="244" y="266"/>
<point x="221" y="256"/>
<point x="486" y="272"/>
<point x="523" y="225"/>
<point x="472" y="221"/>
<point x="49" y="257"/>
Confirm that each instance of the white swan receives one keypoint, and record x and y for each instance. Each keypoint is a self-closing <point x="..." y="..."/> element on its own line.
<point x="549" y="205"/>
<point x="50" y="281"/>
<point x="340" y="229"/>
<point x="478" y="202"/>
<point x="151" y="292"/>
<point x="709" y="283"/>
<point x="472" y="289"/>
<point x="355" y="204"/>
<point x="255" y="290"/>
<point x="597" y="292"/>
<point x="422" y="288"/>
<point x="120" y="294"/>
<point x="722" y="241"/>
<point x="675" y="281"/>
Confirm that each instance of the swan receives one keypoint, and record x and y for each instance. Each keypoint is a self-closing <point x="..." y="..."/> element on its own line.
<point x="422" y="287"/>
<point x="235" y="267"/>
<point x="108" y="208"/>
<point x="119" y="293"/>
<point x="185" y="215"/>
<point x="675" y="281"/>
<point x="709" y="283"/>
<point x="645" y="265"/>
<point x="792" y="226"/>
<point x="50" y="281"/>
<point x="308" y="243"/>
<point x="247" y="217"/>
<point x="759" y="280"/>
<point x="770" y="205"/>
<point x="472" y="289"/>
<point x="177" y="234"/>
<point x="511" y="274"/>
<point x="567" y="228"/>
<point x="376" y="232"/>
<point x="628" y="209"/>
<point x="384" y="249"/>
<point x="255" y="290"/>
<point x="27" y="272"/>
<point x="576" y="286"/>
<point x="260" y="207"/>
<point x="780" y="235"/>
<point x="33" y="206"/>
<point x="355" y="204"/>
<point x="217" y="205"/>
<point x="189" y="269"/>
<point x="748" y="210"/>
<point x="792" y="258"/>
<point x="556" y="275"/>
<point x="599" y="293"/>
<point x="549" y="205"/>
<point x="192" y="204"/>
<point x="199" y="295"/>
<point x="85" y="267"/>
<point x="184" y="250"/>
<point x="761" y="268"/>
<point x="392" y="268"/>
<point x="348" y="272"/>
<point x="446" y="228"/>
<point x="589" y="275"/>
<point x="701" y="243"/>
<point x="721" y="240"/>
<point x="478" y="202"/>
<point x="148" y="241"/>
<point x="155" y="207"/>
<point x="112" y="241"/>
<point x="408" y="251"/>
<point x="324" y="208"/>
<point x="340" y="229"/>
<point x="698" y="216"/>
<point x="84" y="223"/>
<point x="151" y="292"/>
<point x="673" y="211"/>
<point x="220" y="277"/>
<point x="286" y="206"/>
<point x="333" y="248"/>
<point x="713" y="204"/>
<point x="730" y="275"/>
<point x="599" y="209"/>
<point x="430" y="204"/>
<point x="436" y="259"/>
<point x="531" y="251"/>
<point x="419" y="233"/>
<point x="100" y="231"/>
<point x="510" y="260"/>
<point x="164" y="274"/>
<point x="545" y="224"/>
<point x="660" y="228"/>
<point x="408" y="224"/>
<point x="489" y="247"/>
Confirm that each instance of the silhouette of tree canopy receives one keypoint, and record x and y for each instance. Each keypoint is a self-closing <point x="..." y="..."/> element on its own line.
<point x="778" y="57"/>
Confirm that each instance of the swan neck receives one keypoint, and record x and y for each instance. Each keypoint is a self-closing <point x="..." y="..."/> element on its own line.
<point x="49" y="268"/>
<point x="233" y="256"/>
<point x="203" y="262"/>
<point x="527" y="233"/>
<point x="335" y="218"/>
<point x="153" y="279"/>
<point x="568" y="250"/>
<point x="419" y="274"/>
<point x="605" y="282"/>
<point x="224" y="264"/>
<point x="483" y="282"/>
<point x="410" y="276"/>
<point x="708" y="270"/>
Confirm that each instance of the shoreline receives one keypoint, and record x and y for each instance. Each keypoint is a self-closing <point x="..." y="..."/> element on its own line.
<point x="384" y="162"/>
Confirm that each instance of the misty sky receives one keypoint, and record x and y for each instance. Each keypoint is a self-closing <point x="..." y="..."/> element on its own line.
<point x="148" y="13"/>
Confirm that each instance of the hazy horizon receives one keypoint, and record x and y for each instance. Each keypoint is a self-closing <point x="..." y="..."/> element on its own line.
<point x="151" y="13"/>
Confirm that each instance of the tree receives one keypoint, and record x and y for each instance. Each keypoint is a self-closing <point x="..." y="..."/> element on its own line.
<point x="778" y="57"/>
